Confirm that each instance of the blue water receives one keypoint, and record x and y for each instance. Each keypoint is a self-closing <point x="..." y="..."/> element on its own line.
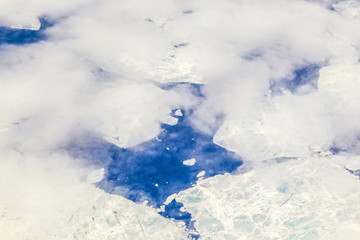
<point x="306" y="75"/>
<point x="24" y="36"/>
<point x="154" y="170"/>
<point x="160" y="161"/>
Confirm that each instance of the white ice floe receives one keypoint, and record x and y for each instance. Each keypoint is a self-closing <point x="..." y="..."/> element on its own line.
<point x="170" y="120"/>
<point x="201" y="174"/>
<point x="190" y="162"/>
<point x="178" y="113"/>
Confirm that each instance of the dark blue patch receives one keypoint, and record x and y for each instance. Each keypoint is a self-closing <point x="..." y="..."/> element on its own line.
<point x="154" y="170"/>
<point x="160" y="161"/>
<point x="335" y="150"/>
<point x="24" y="36"/>
<point x="307" y="75"/>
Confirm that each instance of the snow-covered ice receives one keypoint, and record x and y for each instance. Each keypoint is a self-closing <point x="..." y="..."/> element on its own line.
<point x="314" y="198"/>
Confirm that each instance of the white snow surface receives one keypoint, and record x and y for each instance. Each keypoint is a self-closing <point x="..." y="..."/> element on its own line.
<point x="312" y="198"/>
<point x="47" y="201"/>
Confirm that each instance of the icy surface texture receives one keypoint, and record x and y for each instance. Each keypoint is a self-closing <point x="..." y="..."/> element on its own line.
<point x="156" y="170"/>
<point x="103" y="216"/>
<point x="298" y="199"/>
<point x="283" y="126"/>
<point x="47" y="202"/>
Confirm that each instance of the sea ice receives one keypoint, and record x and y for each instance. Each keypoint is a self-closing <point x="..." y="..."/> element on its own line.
<point x="178" y="113"/>
<point x="189" y="162"/>
<point x="313" y="198"/>
<point x="92" y="214"/>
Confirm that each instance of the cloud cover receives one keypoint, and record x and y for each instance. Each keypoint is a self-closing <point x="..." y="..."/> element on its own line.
<point x="99" y="70"/>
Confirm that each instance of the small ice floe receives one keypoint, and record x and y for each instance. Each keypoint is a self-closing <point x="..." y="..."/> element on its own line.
<point x="170" y="120"/>
<point x="201" y="174"/>
<point x="178" y="113"/>
<point x="162" y="208"/>
<point x="182" y="209"/>
<point x="189" y="162"/>
<point x="95" y="176"/>
<point x="170" y="198"/>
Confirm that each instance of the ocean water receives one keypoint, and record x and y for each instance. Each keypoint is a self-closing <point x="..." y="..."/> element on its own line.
<point x="13" y="36"/>
<point x="156" y="169"/>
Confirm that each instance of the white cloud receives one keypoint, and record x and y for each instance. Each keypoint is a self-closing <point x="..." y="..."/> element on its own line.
<point x="99" y="68"/>
<point x="43" y="198"/>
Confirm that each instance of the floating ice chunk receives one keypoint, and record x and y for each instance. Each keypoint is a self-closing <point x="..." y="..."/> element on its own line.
<point x="189" y="162"/>
<point x="200" y="174"/>
<point x="34" y="25"/>
<point x="170" y="120"/>
<point x="96" y="176"/>
<point x="170" y="198"/>
<point x="178" y="113"/>
<point x="162" y="208"/>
